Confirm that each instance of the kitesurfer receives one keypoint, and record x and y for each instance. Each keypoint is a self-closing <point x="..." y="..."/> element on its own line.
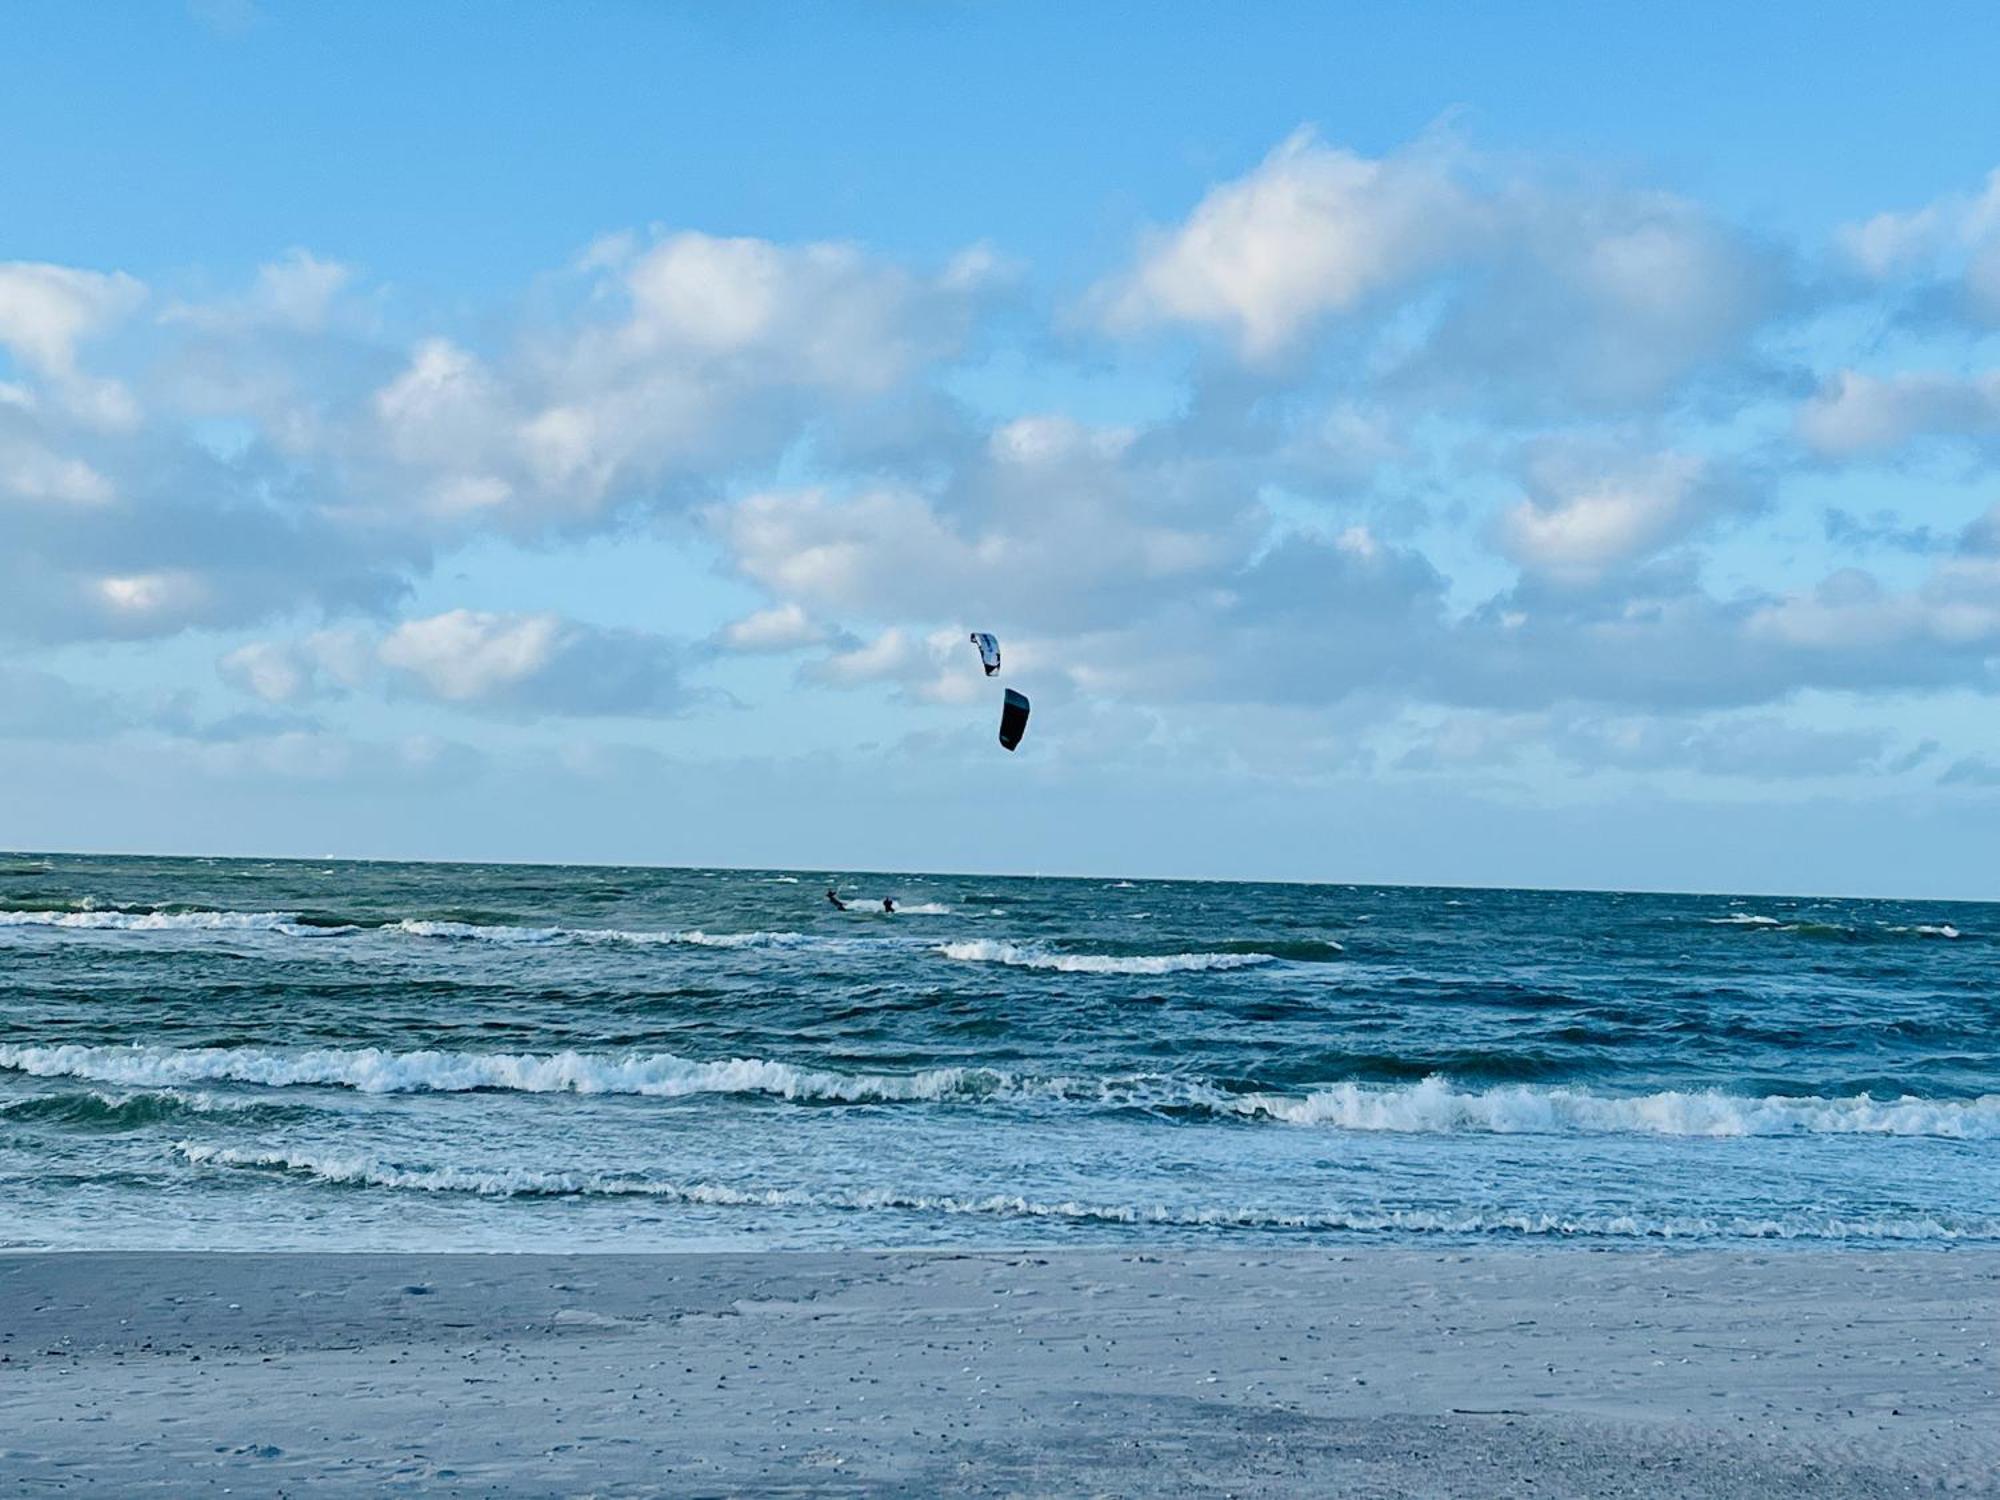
<point x="838" y="904"/>
<point x="889" y="904"/>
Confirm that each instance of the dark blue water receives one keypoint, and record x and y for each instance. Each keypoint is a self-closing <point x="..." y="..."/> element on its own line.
<point x="241" y="1053"/>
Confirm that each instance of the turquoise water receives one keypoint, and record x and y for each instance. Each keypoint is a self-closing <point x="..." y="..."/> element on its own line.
<point x="234" y="1053"/>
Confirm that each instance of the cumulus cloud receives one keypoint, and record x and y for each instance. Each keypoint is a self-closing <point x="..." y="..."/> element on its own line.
<point x="1954" y="240"/>
<point x="1276" y="545"/>
<point x="514" y="665"/>
<point x="270" y="670"/>
<point x="47" y="312"/>
<point x="294" y="293"/>
<point x="1600" y="301"/>
<point x="32" y="474"/>
<point x="783" y="627"/>
<point x="284" y="460"/>
<point x="1313" y="230"/>
<point x="1857" y="413"/>
<point x="1519" y="288"/>
<point x="930" y="668"/>
<point x="1591" y="509"/>
<point x="694" y="355"/>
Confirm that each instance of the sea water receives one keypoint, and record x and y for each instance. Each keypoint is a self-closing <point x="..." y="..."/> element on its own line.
<point x="291" y="1054"/>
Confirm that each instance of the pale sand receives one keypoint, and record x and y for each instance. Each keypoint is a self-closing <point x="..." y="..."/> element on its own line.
<point x="1374" y="1371"/>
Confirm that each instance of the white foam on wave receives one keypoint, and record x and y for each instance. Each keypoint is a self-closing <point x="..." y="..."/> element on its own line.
<point x="1929" y="929"/>
<point x="337" y="1170"/>
<point x="92" y="920"/>
<point x="989" y="951"/>
<point x="474" y="931"/>
<point x="1435" y="1106"/>
<point x="483" y="932"/>
<point x="288" y="924"/>
<point x="1744" y="919"/>
<point x="375" y="1071"/>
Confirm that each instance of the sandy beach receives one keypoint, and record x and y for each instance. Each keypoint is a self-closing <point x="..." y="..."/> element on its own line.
<point x="1373" y="1371"/>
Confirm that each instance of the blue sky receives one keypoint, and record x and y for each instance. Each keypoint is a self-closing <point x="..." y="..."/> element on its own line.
<point x="1536" y="444"/>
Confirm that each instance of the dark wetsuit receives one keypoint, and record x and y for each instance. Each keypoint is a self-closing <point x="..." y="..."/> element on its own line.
<point x="838" y="904"/>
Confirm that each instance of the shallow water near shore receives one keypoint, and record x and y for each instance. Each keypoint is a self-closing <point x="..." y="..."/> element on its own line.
<point x="311" y="1054"/>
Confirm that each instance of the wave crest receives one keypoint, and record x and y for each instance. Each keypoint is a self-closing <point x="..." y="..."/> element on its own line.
<point x="1435" y="1106"/>
<point x="372" y="1070"/>
<point x="168" y="921"/>
<point x="1014" y="955"/>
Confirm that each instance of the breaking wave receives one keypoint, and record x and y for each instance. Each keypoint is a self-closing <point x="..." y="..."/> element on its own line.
<point x="333" y="1170"/>
<point x="304" y="925"/>
<point x="374" y="1071"/>
<point x="1813" y="928"/>
<point x="87" y="919"/>
<point x="1014" y="955"/>
<point x="482" y="932"/>
<point x="1433" y="1106"/>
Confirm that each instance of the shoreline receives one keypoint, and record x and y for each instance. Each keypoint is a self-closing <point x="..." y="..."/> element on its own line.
<point x="1371" y="1369"/>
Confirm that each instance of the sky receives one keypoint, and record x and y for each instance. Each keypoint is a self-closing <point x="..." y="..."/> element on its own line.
<point x="1531" y="445"/>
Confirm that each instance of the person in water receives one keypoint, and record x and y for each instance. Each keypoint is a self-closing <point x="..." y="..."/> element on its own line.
<point x="889" y="903"/>
<point x="838" y="904"/>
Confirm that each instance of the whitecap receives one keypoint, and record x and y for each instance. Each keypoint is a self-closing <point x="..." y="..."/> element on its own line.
<point x="377" y="1071"/>
<point x="91" y="919"/>
<point x="989" y="951"/>
<point x="1436" y="1106"/>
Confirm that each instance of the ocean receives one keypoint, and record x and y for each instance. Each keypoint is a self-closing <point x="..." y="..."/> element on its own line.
<point x="250" y="1054"/>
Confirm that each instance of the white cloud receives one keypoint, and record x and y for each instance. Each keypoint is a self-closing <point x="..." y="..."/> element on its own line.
<point x="1602" y="301"/>
<point x="294" y="293"/>
<point x="466" y="654"/>
<point x="168" y="593"/>
<point x="1854" y="412"/>
<point x="289" y="672"/>
<point x="268" y="670"/>
<point x="1955" y="610"/>
<point x="1955" y="237"/>
<point x="694" y="355"/>
<point x="1589" y="512"/>
<point x="1313" y="230"/>
<point x="783" y="627"/>
<point x="513" y="665"/>
<point x="32" y="474"/>
<point x="46" y="311"/>
<point x="1512" y="291"/>
<point x="934" y="668"/>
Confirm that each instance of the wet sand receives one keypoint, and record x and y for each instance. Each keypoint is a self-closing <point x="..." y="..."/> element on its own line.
<point x="1372" y="1371"/>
